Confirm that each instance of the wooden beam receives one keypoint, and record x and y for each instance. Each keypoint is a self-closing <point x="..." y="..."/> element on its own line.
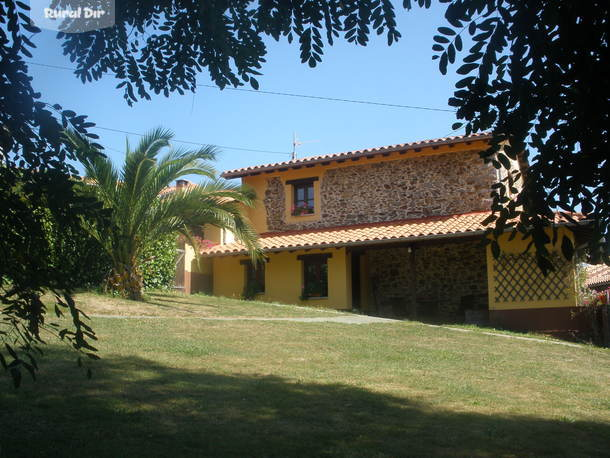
<point x="302" y="180"/>
<point x="303" y="257"/>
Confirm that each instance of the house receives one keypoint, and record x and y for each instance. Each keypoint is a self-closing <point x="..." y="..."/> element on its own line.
<point x="598" y="277"/>
<point x="394" y="230"/>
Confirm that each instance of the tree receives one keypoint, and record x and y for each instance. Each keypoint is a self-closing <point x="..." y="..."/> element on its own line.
<point x="143" y="208"/>
<point x="36" y="188"/>
<point x="537" y="75"/>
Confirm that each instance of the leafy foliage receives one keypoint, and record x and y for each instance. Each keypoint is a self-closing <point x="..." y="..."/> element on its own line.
<point x="537" y="75"/>
<point x="159" y="47"/>
<point x="35" y="185"/>
<point x="158" y="263"/>
<point x="74" y="251"/>
<point x="143" y="210"/>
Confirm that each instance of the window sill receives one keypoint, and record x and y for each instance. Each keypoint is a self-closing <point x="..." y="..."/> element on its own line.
<point x="313" y="298"/>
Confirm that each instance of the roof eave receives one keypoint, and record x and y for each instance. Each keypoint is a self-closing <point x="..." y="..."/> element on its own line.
<point x="354" y="243"/>
<point x="343" y="156"/>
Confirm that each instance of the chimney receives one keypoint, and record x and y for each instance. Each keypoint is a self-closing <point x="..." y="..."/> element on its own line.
<point x="182" y="183"/>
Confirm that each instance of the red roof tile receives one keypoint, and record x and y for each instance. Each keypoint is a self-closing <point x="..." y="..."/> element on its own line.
<point x="597" y="275"/>
<point x="236" y="173"/>
<point x="461" y="225"/>
<point x="364" y="234"/>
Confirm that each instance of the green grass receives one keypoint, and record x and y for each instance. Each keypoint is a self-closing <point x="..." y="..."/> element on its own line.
<point x="179" y="387"/>
<point x="169" y="304"/>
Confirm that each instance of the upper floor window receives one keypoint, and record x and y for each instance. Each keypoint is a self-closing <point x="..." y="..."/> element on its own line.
<point x="303" y="202"/>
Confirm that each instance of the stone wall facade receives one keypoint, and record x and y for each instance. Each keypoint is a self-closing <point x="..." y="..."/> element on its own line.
<point x="417" y="187"/>
<point x="436" y="281"/>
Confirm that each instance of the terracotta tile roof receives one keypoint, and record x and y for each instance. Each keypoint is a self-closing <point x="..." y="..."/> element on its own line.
<point x="460" y="225"/>
<point x="597" y="275"/>
<point x="363" y="234"/>
<point x="236" y="173"/>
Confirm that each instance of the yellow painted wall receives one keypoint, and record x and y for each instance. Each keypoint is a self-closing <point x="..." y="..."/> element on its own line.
<point x="257" y="215"/>
<point x="212" y="233"/>
<point x="198" y="271"/>
<point x="284" y="278"/>
<point x="517" y="246"/>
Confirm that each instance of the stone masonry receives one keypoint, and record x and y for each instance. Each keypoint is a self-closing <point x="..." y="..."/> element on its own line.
<point x="417" y="187"/>
<point x="448" y="278"/>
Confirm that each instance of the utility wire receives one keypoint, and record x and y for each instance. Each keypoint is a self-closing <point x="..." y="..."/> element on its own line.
<point x="110" y="129"/>
<point x="289" y="94"/>
<point x="329" y="99"/>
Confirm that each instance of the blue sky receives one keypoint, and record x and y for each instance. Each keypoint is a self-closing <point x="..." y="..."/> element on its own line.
<point x="401" y="74"/>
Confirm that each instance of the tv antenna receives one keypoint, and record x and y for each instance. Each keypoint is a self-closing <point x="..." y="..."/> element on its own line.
<point x="296" y="143"/>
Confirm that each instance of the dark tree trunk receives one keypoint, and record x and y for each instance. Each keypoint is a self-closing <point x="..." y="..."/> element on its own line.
<point x="126" y="279"/>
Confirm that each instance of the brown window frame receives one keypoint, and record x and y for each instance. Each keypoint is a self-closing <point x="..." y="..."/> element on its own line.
<point x="306" y="205"/>
<point x="257" y="275"/>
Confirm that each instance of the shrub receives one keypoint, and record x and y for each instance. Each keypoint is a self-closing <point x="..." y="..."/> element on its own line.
<point x="158" y="263"/>
<point x="73" y="250"/>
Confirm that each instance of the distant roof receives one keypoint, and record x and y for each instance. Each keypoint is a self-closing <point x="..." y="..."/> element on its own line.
<point x="597" y="275"/>
<point x="369" y="152"/>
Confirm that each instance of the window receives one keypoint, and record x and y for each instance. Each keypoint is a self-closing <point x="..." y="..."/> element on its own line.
<point x="226" y="237"/>
<point x="303" y="196"/>
<point x="315" y="275"/>
<point x="255" y="277"/>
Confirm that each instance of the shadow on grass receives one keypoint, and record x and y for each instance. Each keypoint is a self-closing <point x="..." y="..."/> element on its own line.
<point x="135" y="407"/>
<point x="163" y="299"/>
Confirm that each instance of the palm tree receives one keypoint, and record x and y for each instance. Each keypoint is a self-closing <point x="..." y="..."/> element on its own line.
<point x="141" y="209"/>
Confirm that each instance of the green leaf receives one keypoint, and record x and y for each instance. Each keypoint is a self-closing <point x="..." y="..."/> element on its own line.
<point x="466" y="68"/>
<point x="441" y="39"/>
<point x="442" y="65"/>
<point x="495" y="249"/>
<point x="446" y="31"/>
<point x="451" y="53"/>
<point x="567" y="248"/>
<point x="458" y="42"/>
<point x="504" y="161"/>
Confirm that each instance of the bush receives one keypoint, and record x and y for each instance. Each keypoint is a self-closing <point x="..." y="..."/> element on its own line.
<point x="158" y="263"/>
<point x="74" y="251"/>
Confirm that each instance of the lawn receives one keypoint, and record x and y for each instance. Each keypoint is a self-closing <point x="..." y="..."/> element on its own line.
<point x="175" y="386"/>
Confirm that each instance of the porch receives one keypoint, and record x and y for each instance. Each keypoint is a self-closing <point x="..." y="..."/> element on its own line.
<point x="443" y="280"/>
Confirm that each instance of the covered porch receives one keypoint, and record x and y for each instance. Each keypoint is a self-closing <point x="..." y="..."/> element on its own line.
<point x="436" y="280"/>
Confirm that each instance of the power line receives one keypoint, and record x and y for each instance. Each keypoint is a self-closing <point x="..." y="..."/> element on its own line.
<point x="289" y="94"/>
<point x="110" y="129"/>
<point x="330" y="99"/>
